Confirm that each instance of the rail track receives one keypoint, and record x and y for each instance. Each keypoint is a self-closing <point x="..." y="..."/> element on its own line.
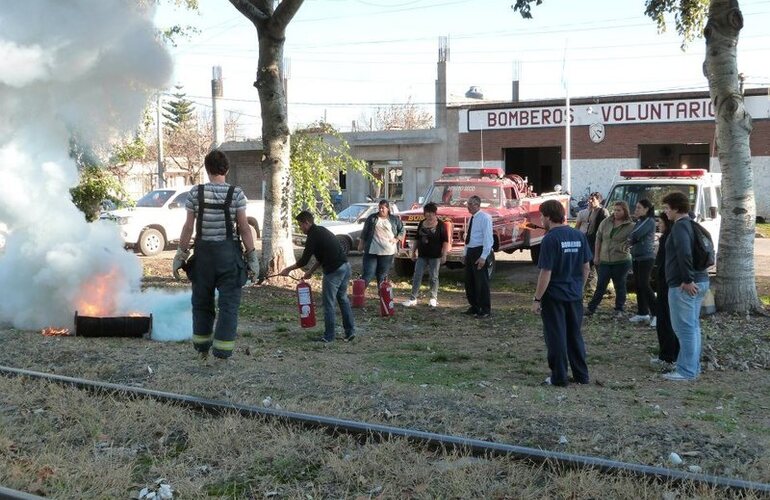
<point x="475" y="447"/>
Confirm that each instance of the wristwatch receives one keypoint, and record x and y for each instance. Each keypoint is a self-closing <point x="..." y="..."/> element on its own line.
<point x="535" y="299"/>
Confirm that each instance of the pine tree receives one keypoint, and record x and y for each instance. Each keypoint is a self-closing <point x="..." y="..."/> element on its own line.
<point x="180" y="111"/>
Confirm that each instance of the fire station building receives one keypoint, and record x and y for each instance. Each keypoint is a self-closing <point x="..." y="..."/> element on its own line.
<point x="608" y="134"/>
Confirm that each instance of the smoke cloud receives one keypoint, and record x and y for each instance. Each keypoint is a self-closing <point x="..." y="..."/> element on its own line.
<point x="85" y="67"/>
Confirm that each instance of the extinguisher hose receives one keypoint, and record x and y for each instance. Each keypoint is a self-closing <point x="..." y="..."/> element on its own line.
<point x="265" y="278"/>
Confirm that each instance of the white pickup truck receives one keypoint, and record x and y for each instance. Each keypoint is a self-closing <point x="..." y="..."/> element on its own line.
<point x="158" y="217"/>
<point x="703" y="189"/>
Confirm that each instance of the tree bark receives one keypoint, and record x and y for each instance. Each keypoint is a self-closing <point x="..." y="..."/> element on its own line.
<point x="735" y="287"/>
<point x="277" y="248"/>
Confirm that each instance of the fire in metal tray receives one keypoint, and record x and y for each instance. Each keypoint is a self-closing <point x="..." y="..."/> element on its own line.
<point x="113" y="326"/>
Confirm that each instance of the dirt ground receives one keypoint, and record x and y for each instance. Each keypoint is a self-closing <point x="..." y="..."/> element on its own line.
<point x="440" y="371"/>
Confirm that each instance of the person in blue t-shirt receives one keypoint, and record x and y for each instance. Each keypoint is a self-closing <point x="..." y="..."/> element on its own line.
<point x="564" y="265"/>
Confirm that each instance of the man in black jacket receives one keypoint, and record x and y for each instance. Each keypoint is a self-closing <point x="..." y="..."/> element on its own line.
<point x="328" y="253"/>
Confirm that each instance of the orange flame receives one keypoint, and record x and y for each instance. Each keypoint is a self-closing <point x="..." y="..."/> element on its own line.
<point x="96" y="296"/>
<point x="55" y="332"/>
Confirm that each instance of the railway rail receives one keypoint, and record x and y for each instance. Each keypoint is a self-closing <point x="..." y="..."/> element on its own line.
<point x="377" y="431"/>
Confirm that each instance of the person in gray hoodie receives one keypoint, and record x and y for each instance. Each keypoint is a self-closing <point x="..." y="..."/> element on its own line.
<point x="641" y="242"/>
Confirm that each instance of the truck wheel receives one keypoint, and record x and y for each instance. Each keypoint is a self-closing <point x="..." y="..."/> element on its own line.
<point x="151" y="242"/>
<point x="403" y="267"/>
<point x="534" y="253"/>
<point x="345" y="244"/>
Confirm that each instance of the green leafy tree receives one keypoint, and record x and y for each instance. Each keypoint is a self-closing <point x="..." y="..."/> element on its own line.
<point x="318" y="154"/>
<point x="96" y="183"/>
<point x="735" y="284"/>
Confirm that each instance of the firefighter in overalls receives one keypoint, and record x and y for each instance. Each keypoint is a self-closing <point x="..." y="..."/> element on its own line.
<point x="215" y="209"/>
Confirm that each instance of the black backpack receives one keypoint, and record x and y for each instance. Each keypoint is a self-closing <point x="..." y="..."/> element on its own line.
<point x="703" y="254"/>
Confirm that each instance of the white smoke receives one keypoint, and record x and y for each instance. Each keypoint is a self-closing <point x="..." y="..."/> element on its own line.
<point x="84" y="66"/>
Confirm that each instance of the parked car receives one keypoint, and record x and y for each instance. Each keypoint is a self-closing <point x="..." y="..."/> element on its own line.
<point x="348" y="225"/>
<point x="158" y="217"/>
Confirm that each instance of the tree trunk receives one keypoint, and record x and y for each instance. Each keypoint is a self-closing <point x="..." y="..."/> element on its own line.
<point x="277" y="248"/>
<point x="735" y="287"/>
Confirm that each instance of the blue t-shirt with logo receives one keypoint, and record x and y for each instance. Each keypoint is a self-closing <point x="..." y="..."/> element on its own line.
<point x="563" y="251"/>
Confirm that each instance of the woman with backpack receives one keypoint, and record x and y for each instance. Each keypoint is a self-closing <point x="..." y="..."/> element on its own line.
<point x="641" y="241"/>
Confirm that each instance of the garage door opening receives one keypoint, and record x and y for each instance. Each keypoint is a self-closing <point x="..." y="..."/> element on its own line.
<point x="674" y="155"/>
<point x="541" y="166"/>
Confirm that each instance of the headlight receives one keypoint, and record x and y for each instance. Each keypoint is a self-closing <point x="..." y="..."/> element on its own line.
<point x="121" y="221"/>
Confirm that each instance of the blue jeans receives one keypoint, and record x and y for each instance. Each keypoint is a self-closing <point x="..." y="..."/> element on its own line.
<point x="685" y="318"/>
<point x="376" y="264"/>
<point x="335" y="288"/>
<point x="618" y="274"/>
<point x="419" y="270"/>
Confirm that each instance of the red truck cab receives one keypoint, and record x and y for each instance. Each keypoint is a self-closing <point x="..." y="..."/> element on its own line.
<point x="508" y="199"/>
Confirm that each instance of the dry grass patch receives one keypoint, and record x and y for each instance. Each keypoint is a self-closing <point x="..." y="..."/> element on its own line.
<point x="431" y="370"/>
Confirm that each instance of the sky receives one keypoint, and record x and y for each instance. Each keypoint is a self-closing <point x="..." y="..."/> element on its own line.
<point x="346" y="58"/>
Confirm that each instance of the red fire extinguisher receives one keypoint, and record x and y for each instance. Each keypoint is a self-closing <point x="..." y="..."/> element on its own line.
<point x="387" y="306"/>
<point x="359" y="293"/>
<point x="305" y="305"/>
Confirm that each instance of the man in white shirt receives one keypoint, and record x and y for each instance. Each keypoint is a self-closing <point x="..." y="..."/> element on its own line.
<point x="478" y="246"/>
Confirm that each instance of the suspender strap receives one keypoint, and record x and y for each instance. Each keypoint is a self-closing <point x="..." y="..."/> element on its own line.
<point x="199" y="219"/>
<point x="215" y="206"/>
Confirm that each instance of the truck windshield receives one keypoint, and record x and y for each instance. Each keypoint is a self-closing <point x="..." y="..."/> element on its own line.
<point x="632" y="193"/>
<point x="155" y="198"/>
<point x="456" y="195"/>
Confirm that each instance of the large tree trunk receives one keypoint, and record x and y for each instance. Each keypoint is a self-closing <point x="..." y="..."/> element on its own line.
<point x="277" y="248"/>
<point x="735" y="288"/>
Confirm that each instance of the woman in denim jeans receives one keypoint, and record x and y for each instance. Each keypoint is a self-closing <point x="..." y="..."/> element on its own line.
<point x="379" y="241"/>
<point x="642" y="242"/>
<point x="429" y="250"/>
<point x="611" y="256"/>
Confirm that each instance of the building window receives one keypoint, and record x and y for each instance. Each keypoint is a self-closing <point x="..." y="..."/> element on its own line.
<point x="390" y="175"/>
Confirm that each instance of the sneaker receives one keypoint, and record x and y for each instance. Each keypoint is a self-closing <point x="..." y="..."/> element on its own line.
<point x="433" y="303"/>
<point x="618" y="314"/>
<point x="323" y="340"/>
<point x="483" y="315"/>
<point x="547" y="381"/>
<point x="676" y="377"/>
<point x="409" y="303"/>
<point x="470" y="312"/>
<point x="659" y="365"/>
<point x="654" y="322"/>
<point x="638" y="318"/>
<point x="349" y="338"/>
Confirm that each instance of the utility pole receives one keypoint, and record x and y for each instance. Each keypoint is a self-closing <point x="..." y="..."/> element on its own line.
<point x="159" y="118"/>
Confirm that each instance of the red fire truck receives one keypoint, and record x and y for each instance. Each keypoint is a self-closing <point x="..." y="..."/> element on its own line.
<point x="509" y="199"/>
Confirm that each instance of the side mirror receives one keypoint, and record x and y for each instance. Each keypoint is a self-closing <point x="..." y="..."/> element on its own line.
<point x="420" y="200"/>
<point x="174" y="204"/>
<point x="557" y="188"/>
<point x="712" y="212"/>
